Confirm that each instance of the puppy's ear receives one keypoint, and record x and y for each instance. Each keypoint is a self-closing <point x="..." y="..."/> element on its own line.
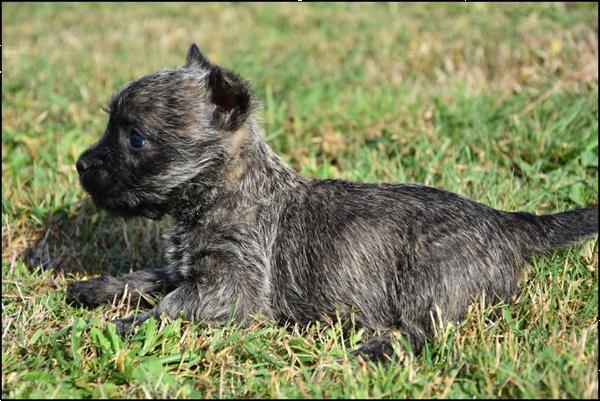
<point x="195" y="59"/>
<point x="232" y="99"/>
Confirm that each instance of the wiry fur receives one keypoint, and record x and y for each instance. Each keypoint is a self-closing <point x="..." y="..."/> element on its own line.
<point x="252" y="236"/>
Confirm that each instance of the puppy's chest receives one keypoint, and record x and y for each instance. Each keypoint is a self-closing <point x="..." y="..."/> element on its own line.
<point x="185" y="248"/>
<point x="175" y="247"/>
<point x="207" y="249"/>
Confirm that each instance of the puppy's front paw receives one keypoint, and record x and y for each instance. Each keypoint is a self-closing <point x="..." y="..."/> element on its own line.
<point x="95" y="292"/>
<point x="126" y="325"/>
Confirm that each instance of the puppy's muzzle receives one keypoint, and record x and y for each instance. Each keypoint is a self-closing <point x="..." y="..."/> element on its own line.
<point x="89" y="160"/>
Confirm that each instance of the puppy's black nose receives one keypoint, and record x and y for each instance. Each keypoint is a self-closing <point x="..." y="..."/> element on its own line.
<point x="81" y="165"/>
<point x="90" y="159"/>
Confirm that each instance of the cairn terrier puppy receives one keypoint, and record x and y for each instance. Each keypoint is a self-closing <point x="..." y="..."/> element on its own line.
<point x="253" y="237"/>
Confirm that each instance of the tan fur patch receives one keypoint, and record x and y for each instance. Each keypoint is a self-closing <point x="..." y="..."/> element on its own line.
<point x="237" y="140"/>
<point x="237" y="165"/>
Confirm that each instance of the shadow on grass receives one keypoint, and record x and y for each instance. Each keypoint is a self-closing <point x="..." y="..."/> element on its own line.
<point x="80" y="239"/>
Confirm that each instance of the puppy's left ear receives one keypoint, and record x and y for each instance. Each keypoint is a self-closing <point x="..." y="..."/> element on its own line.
<point x="232" y="98"/>
<point x="195" y="59"/>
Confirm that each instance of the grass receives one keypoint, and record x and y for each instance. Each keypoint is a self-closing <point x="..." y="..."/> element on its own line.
<point x="495" y="102"/>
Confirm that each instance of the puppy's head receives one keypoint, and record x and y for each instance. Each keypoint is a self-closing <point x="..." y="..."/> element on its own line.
<point x="164" y="129"/>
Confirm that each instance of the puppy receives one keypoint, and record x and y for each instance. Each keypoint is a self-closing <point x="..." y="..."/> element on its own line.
<point x="253" y="237"/>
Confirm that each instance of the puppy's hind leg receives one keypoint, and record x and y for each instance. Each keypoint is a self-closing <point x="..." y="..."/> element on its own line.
<point x="381" y="348"/>
<point x="105" y="289"/>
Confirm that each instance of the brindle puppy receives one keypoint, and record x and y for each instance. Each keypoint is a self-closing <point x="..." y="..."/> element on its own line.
<point x="252" y="236"/>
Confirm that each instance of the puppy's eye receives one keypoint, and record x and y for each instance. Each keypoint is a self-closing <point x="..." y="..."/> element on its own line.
<point x="136" y="140"/>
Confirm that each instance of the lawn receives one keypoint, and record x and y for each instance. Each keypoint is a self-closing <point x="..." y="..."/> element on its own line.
<point x="498" y="103"/>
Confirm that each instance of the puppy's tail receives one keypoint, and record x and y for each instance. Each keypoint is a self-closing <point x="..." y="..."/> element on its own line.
<point x="544" y="233"/>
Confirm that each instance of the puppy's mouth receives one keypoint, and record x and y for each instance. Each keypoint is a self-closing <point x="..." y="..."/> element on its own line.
<point x="97" y="182"/>
<point x="123" y="209"/>
<point x="106" y="193"/>
<point x="101" y="185"/>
